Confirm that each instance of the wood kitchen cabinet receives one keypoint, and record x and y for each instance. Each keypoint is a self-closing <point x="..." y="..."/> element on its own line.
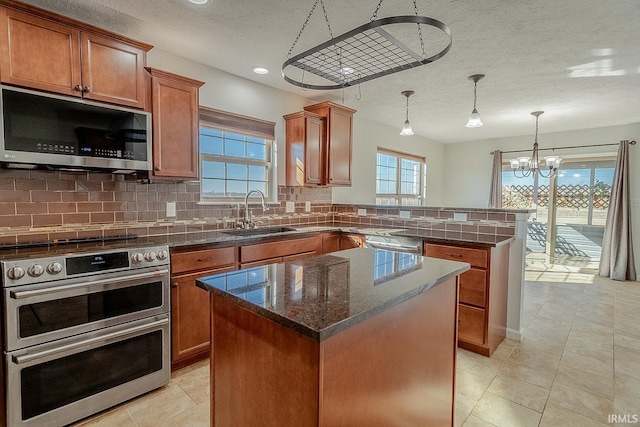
<point x="175" y="106"/>
<point x="330" y="242"/>
<point x="482" y="318"/>
<point x="46" y="51"/>
<point x="318" y="145"/>
<point x="278" y="251"/>
<point x="190" y="304"/>
<point x="304" y="147"/>
<point x="350" y="241"/>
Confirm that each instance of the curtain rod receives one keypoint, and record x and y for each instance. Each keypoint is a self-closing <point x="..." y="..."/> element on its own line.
<point x="562" y="148"/>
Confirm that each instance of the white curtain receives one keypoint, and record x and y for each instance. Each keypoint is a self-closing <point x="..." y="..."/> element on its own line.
<point x="616" y="260"/>
<point x="495" y="196"/>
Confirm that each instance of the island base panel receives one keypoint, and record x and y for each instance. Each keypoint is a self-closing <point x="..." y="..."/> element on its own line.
<point x="395" y="368"/>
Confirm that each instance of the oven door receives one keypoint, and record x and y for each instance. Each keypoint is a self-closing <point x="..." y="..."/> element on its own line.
<point x="57" y="383"/>
<point x="48" y="311"/>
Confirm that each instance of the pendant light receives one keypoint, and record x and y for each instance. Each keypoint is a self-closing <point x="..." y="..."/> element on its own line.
<point x="407" y="130"/>
<point x="474" y="118"/>
<point x="527" y="166"/>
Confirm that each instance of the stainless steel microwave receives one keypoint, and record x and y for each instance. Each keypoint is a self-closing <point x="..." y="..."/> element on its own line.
<point x="63" y="132"/>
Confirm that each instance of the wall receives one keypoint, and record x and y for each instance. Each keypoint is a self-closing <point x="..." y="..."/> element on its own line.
<point x="467" y="167"/>
<point x="367" y="137"/>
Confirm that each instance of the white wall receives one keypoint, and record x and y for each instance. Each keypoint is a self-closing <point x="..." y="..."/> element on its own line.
<point x="467" y="173"/>
<point x="367" y="137"/>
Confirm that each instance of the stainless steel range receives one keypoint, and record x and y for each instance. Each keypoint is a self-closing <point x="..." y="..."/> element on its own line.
<point x="83" y="331"/>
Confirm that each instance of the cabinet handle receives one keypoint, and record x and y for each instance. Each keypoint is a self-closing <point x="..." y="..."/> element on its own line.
<point x="77" y="88"/>
<point x="453" y="255"/>
<point x="206" y="259"/>
<point x="86" y="89"/>
<point x="174" y="285"/>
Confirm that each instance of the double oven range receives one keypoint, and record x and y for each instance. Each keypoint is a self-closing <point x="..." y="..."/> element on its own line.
<point x="83" y="330"/>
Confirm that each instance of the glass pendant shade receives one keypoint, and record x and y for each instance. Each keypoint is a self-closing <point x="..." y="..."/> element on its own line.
<point x="407" y="130"/>
<point x="474" y="120"/>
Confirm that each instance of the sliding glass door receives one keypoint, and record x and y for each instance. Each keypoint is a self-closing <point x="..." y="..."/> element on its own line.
<point x="571" y="209"/>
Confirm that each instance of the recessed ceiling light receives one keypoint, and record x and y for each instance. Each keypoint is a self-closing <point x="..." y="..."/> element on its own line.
<point x="260" y="70"/>
<point x="198" y="1"/>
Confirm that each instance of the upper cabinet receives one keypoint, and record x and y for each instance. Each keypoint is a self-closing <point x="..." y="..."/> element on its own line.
<point x="318" y="144"/>
<point x="175" y="105"/>
<point x="45" y="51"/>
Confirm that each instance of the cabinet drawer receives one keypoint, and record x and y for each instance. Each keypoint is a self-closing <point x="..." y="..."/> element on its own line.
<point x="471" y="324"/>
<point x="475" y="257"/>
<point x="473" y="287"/>
<point x="262" y="251"/>
<point x="201" y="259"/>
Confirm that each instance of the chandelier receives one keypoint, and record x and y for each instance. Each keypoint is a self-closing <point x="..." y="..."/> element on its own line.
<point x="376" y="49"/>
<point x="526" y="166"/>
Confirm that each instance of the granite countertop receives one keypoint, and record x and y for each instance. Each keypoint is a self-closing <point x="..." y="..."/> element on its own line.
<point x="219" y="237"/>
<point x="322" y="295"/>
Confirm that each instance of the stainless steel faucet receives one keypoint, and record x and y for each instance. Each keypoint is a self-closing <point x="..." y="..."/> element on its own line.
<point x="248" y="223"/>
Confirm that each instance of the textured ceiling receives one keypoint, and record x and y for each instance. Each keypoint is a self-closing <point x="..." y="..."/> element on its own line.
<point x="579" y="60"/>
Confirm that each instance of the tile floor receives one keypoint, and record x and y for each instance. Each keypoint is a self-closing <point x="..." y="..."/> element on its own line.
<point x="579" y="363"/>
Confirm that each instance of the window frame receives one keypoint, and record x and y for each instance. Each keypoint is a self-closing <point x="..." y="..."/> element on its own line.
<point x="248" y="127"/>
<point x="398" y="195"/>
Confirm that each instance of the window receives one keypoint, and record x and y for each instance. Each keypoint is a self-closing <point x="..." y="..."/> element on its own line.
<point x="237" y="154"/>
<point x="400" y="179"/>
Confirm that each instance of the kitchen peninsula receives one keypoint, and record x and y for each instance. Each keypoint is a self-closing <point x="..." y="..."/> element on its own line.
<point x="358" y="337"/>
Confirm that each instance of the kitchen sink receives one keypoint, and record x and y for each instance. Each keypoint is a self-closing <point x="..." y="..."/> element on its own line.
<point x="257" y="231"/>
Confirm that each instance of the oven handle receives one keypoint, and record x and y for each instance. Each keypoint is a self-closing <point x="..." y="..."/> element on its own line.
<point x="113" y="335"/>
<point x="51" y="290"/>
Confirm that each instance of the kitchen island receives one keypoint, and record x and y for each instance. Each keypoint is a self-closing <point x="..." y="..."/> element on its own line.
<point x="358" y="337"/>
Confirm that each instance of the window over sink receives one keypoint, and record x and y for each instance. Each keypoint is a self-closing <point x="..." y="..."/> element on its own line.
<point x="237" y="154"/>
<point x="400" y="178"/>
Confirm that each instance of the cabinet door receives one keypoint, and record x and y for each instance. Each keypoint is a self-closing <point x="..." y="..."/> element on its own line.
<point x="314" y="165"/>
<point x="39" y="54"/>
<point x="471" y="324"/>
<point x="351" y="241"/>
<point x="112" y="71"/>
<point x="330" y="243"/>
<point x="339" y="147"/>
<point x="175" y="127"/>
<point x="190" y="315"/>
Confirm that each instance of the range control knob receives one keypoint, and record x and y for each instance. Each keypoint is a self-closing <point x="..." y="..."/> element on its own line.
<point x="137" y="258"/>
<point x="35" y="270"/>
<point x="54" y="268"/>
<point x="162" y="255"/>
<point x="150" y="256"/>
<point x="15" y="273"/>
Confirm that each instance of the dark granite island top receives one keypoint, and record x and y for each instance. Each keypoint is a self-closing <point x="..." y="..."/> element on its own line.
<point x="363" y="337"/>
<point x="323" y="295"/>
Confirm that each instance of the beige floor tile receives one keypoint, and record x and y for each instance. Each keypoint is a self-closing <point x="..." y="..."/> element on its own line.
<point x="198" y="416"/>
<point x="592" y="322"/>
<point x="587" y="381"/>
<point x="181" y="372"/>
<point x="518" y="391"/>
<point x="558" y="325"/>
<point x="479" y="365"/>
<point x="534" y="341"/>
<point x="627" y="362"/>
<point x="504" y="350"/>
<point x="582" y="402"/>
<point x="536" y="356"/>
<point x="597" y="362"/>
<point x="529" y="373"/>
<point x="118" y="417"/>
<point x="555" y="416"/>
<point x="626" y="341"/>
<point x="503" y="412"/>
<point x="628" y="385"/>
<point x="471" y="385"/>
<point x="196" y="385"/>
<point x="464" y="406"/>
<point x="160" y="407"/>
<point x="473" y="421"/>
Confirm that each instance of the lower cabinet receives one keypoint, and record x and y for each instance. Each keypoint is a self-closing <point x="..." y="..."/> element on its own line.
<point x="330" y="242"/>
<point x="482" y="315"/>
<point x="190" y="318"/>
<point x="350" y="241"/>
<point x="278" y="251"/>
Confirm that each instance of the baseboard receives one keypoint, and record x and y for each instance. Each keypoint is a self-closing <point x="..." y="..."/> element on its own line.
<point x="514" y="334"/>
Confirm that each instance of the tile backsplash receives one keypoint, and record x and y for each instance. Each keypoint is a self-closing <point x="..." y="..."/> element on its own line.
<point x="68" y="204"/>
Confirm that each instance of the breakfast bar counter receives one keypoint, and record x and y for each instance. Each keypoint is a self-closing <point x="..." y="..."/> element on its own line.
<point x="357" y="337"/>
